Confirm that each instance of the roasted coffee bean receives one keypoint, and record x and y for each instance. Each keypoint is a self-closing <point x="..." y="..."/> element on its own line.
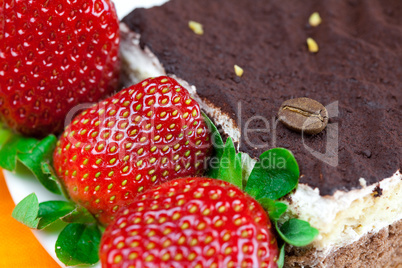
<point x="303" y="115"/>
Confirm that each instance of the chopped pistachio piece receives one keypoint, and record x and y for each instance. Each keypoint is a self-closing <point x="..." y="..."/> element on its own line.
<point x="315" y="19"/>
<point x="312" y="45"/>
<point x="196" y="27"/>
<point x="238" y="70"/>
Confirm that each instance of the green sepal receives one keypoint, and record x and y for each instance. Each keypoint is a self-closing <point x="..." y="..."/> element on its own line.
<point x="230" y="165"/>
<point x="32" y="153"/>
<point x="216" y="137"/>
<point x="5" y="135"/>
<point x="297" y="232"/>
<point x="48" y="169"/>
<point x="79" y="215"/>
<point x="225" y="165"/>
<point x="52" y="211"/>
<point x="274" y="176"/>
<point x="281" y="258"/>
<point x="78" y="244"/>
<point x="218" y="146"/>
<point x="13" y="145"/>
<point x="246" y="161"/>
<point x="275" y="209"/>
<point x="38" y="161"/>
<point x="40" y="216"/>
<point x="27" y="210"/>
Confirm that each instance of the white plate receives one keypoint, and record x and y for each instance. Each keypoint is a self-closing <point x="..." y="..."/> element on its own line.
<point x="21" y="185"/>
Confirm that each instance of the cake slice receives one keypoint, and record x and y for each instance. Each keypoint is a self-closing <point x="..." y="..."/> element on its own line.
<point x="351" y="185"/>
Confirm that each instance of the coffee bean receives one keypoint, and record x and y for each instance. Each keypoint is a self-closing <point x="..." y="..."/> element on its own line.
<point x="303" y="115"/>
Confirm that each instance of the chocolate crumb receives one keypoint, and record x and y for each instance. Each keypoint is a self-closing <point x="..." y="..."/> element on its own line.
<point x="289" y="199"/>
<point x="236" y="79"/>
<point x="367" y="153"/>
<point x="377" y="192"/>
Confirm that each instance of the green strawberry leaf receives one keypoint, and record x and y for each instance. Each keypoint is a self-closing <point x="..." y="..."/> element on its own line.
<point x="226" y="165"/>
<point x="38" y="161"/>
<point x="274" y="176"/>
<point x="51" y="211"/>
<point x="230" y="165"/>
<point x="218" y="145"/>
<point x="79" y="215"/>
<point x="47" y="169"/>
<point x="78" y="244"/>
<point x="297" y="232"/>
<point x="216" y="138"/>
<point x="5" y="135"/>
<point x="40" y="216"/>
<point x="246" y="165"/>
<point x="32" y="153"/>
<point x="281" y="259"/>
<point x="13" y="145"/>
<point x="26" y="211"/>
<point x="275" y="209"/>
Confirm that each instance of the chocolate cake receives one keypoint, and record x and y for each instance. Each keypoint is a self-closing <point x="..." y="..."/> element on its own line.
<point x="351" y="185"/>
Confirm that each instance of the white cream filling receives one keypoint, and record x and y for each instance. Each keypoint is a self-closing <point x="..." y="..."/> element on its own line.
<point x="342" y="218"/>
<point x="345" y="217"/>
<point x="137" y="64"/>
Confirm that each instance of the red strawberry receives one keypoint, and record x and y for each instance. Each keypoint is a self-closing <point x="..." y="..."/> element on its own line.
<point x="144" y="135"/>
<point x="191" y="222"/>
<point x="54" y="55"/>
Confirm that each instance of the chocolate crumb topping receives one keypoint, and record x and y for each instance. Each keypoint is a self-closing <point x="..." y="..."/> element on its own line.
<point x="377" y="192"/>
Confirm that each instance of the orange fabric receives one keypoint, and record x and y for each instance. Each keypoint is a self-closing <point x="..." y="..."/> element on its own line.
<point x="18" y="246"/>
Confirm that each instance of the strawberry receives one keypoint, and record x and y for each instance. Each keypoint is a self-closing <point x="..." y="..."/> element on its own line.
<point x="191" y="222"/>
<point x="53" y="56"/>
<point x="149" y="133"/>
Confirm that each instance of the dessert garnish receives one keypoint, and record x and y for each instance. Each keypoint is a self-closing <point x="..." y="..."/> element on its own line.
<point x="238" y="71"/>
<point x="312" y="45"/>
<point x="273" y="177"/>
<point x="303" y="115"/>
<point x="196" y="27"/>
<point x="315" y="19"/>
<point x="144" y="135"/>
<point x="55" y="55"/>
